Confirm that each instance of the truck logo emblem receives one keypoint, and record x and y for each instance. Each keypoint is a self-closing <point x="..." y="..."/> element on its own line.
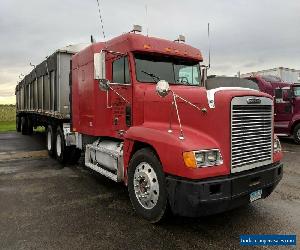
<point x="253" y="100"/>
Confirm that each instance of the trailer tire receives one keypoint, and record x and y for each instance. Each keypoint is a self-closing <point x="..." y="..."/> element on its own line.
<point x="60" y="146"/>
<point x="18" y="124"/>
<point x="296" y="134"/>
<point x="29" y="126"/>
<point x="147" y="186"/>
<point x="24" y="125"/>
<point x="50" y="140"/>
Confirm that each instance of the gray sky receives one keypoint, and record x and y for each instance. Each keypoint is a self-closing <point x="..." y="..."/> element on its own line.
<point x="246" y="35"/>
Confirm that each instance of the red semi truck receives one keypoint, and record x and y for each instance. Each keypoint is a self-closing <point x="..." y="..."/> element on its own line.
<point x="287" y="104"/>
<point x="140" y="114"/>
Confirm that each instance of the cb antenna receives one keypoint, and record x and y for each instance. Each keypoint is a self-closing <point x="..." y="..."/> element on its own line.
<point x="208" y="35"/>
<point x="101" y="21"/>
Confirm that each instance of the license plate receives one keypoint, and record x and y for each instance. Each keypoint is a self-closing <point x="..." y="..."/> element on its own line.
<point x="255" y="195"/>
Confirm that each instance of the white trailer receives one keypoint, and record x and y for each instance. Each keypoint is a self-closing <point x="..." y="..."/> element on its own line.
<point x="286" y="74"/>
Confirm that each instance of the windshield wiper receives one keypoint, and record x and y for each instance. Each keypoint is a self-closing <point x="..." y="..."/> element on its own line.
<point x="154" y="77"/>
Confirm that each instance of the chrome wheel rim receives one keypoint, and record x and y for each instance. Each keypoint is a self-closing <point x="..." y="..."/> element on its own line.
<point x="58" y="145"/>
<point x="298" y="134"/>
<point x="49" y="146"/>
<point x="146" y="185"/>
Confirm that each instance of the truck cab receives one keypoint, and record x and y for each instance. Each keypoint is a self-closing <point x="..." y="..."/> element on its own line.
<point x="145" y="118"/>
<point x="287" y="104"/>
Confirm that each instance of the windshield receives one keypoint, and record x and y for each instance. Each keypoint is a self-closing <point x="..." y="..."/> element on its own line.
<point x="152" y="68"/>
<point x="296" y="91"/>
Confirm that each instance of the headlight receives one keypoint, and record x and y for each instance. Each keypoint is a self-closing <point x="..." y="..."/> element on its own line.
<point x="203" y="158"/>
<point x="276" y="146"/>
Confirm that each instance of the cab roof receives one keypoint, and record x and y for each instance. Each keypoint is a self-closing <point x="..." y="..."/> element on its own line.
<point x="131" y="42"/>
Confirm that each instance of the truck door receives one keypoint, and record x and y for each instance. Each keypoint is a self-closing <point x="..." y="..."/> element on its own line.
<point x="283" y="109"/>
<point x="121" y="98"/>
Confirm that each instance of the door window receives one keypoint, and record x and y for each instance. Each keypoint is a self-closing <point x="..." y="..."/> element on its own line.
<point x="120" y="71"/>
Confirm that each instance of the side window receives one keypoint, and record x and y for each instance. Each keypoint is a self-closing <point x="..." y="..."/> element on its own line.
<point x="120" y="71"/>
<point x="187" y="74"/>
<point x="278" y="94"/>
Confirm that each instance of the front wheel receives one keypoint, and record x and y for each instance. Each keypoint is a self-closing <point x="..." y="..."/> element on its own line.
<point x="296" y="134"/>
<point x="146" y="185"/>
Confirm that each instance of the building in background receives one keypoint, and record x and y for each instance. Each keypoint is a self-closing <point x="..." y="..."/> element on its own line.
<point x="286" y="74"/>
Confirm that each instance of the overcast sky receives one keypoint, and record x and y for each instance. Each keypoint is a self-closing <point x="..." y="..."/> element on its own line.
<point x="246" y="35"/>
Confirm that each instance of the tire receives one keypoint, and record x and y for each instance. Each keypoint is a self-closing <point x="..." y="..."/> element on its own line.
<point x="61" y="151"/>
<point x="296" y="134"/>
<point x="29" y="126"/>
<point x="24" y="125"/>
<point x="50" y="140"/>
<point x="146" y="178"/>
<point x="18" y="124"/>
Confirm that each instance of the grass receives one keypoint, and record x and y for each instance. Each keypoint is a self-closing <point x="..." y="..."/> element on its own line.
<point x="8" y="119"/>
<point x="7" y="113"/>
<point x="6" y="126"/>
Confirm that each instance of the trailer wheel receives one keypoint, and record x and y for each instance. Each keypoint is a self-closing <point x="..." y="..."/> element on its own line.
<point x="29" y="126"/>
<point x="60" y="146"/>
<point x="18" y="124"/>
<point x="296" y="134"/>
<point x="24" y="124"/>
<point x="147" y="186"/>
<point x="50" y="140"/>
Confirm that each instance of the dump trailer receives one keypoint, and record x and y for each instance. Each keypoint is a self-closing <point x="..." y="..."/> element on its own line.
<point x="139" y="113"/>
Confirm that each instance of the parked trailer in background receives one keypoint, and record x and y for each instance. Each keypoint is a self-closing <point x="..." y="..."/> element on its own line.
<point x="287" y="104"/>
<point x="285" y="74"/>
<point x="140" y="114"/>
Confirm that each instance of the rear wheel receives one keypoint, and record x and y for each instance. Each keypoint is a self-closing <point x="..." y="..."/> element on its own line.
<point x="50" y="140"/>
<point x="146" y="185"/>
<point x="24" y="125"/>
<point x="60" y="146"/>
<point x="296" y="134"/>
<point x="18" y="124"/>
<point x="29" y="126"/>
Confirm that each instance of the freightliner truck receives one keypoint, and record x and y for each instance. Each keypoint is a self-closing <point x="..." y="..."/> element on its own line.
<point x="136" y="107"/>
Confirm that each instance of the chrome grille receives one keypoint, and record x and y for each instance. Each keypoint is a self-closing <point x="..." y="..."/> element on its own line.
<point x="251" y="133"/>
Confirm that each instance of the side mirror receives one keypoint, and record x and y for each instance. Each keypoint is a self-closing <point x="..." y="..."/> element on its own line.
<point x="99" y="65"/>
<point x="162" y="88"/>
<point x="104" y="84"/>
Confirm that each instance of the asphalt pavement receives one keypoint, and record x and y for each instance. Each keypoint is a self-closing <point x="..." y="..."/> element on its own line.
<point x="44" y="205"/>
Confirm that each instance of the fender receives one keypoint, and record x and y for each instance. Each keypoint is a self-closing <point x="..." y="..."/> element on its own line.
<point x="170" y="148"/>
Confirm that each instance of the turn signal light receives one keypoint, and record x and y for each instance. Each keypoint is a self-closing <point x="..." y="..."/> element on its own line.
<point x="189" y="159"/>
